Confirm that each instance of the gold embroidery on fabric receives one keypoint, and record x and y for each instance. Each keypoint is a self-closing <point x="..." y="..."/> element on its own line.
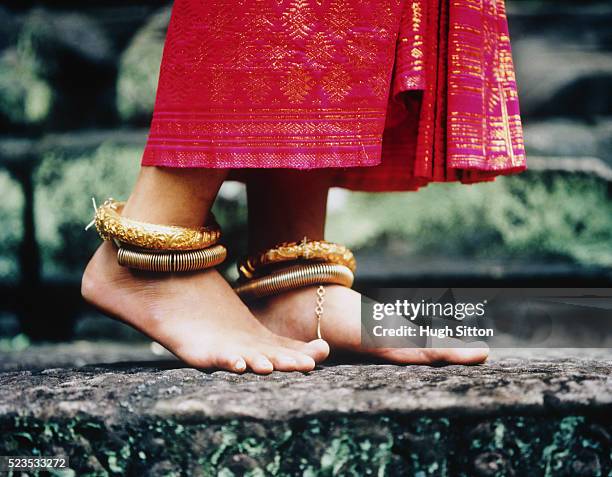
<point x="259" y="18"/>
<point x="361" y="50"/>
<point x="275" y="55"/>
<point x="327" y="53"/>
<point x="255" y="128"/>
<point x="337" y="83"/>
<point x="319" y="51"/>
<point x="298" y="19"/>
<point x="341" y="18"/>
<point x="495" y="137"/>
<point x="378" y="83"/>
<point x="297" y="84"/>
<point x="220" y="85"/>
<point x="310" y="51"/>
<point x="257" y="84"/>
<point x="417" y="49"/>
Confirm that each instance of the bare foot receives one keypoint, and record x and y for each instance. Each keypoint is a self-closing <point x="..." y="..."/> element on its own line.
<point x="196" y="316"/>
<point x="292" y="314"/>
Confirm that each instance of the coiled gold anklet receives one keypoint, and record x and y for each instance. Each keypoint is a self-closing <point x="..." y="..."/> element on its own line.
<point x="171" y="261"/>
<point x="294" y="277"/>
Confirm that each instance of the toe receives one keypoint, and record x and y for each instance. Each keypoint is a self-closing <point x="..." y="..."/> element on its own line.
<point x="454" y="351"/>
<point x="429" y="356"/>
<point x="195" y="357"/>
<point x="231" y="362"/>
<point x="304" y="361"/>
<point x="285" y="359"/>
<point x="402" y="355"/>
<point x="316" y="349"/>
<point x="282" y="361"/>
<point x="475" y="355"/>
<point x="259" y="363"/>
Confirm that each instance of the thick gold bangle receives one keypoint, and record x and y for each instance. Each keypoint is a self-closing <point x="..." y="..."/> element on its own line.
<point x="187" y="261"/>
<point x="111" y="226"/>
<point x="294" y="277"/>
<point x="315" y="250"/>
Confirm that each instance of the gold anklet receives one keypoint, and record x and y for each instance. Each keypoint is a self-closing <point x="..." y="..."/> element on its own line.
<point x="297" y="276"/>
<point x="188" y="261"/>
<point x="111" y="226"/>
<point x="158" y="248"/>
<point x="326" y="263"/>
<point x="315" y="250"/>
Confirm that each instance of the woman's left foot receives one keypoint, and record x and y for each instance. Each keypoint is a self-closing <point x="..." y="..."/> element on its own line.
<point x="291" y="314"/>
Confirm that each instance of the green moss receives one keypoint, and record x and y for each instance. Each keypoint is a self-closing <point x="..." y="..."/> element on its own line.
<point x="25" y="98"/>
<point x="557" y="453"/>
<point x="63" y="206"/>
<point x="341" y="446"/>
<point x="336" y="456"/>
<point x="18" y="342"/>
<point x="11" y="232"/>
<point x="530" y="216"/>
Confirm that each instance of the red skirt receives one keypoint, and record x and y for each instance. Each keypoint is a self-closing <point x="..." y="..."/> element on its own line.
<point x="392" y="94"/>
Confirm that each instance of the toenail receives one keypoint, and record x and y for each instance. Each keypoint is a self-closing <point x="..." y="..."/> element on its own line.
<point x="318" y="343"/>
<point x="469" y="354"/>
<point x="240" y="365"/>
<point x="264" y="363"/>
<point x="288" y="361"/>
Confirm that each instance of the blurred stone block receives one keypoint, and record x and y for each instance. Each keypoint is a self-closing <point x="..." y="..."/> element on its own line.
<point x="139" y="70"/>
<point x="75" y="57"/>
<point x="561" y="137"/>
<point x="66" y="40"/>
<point x="560" y="80"/>
<point x="9" y="26"/>
<point x="562" y="57"/>
<point x="569" y="138"/>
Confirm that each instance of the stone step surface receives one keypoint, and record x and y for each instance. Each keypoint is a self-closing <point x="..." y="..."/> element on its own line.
<point x="118" y="409"/>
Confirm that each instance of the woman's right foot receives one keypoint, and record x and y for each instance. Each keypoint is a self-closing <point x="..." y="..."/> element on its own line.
<point x="291" y="314"/>
<point x="196" y="316"/>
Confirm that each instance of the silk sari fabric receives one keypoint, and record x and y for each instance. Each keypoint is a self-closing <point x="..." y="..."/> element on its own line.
<point x="392" y="94"/>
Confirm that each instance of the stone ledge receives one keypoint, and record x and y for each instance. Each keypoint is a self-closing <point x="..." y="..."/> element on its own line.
<point x="526" y="412"/>
<point x="163" y="389"/>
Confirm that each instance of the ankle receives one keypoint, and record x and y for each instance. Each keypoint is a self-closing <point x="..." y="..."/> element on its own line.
<point x="180" y="197"/>
<point x="166" y="213"/>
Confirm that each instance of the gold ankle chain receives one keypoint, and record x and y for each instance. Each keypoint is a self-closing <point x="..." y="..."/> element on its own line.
<point x="319" y="308"/>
